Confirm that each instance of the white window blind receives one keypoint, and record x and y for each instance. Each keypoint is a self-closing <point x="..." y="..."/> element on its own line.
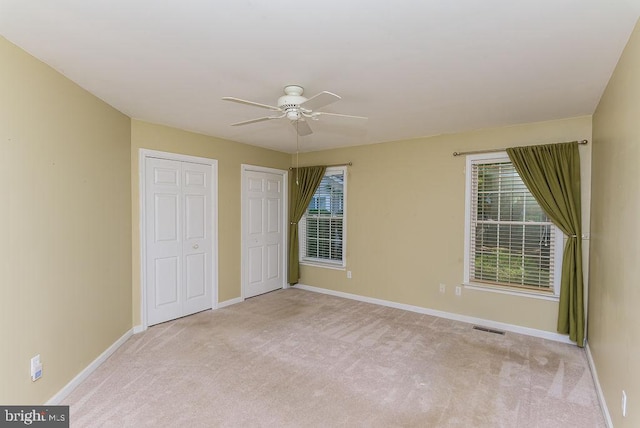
<point x="512" y="242"/>
<point x="322" y="226"/>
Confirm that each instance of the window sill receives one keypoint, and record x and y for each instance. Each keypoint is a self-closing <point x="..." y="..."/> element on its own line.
<point x="512" y="292"/>
<point x="333" y="266"/>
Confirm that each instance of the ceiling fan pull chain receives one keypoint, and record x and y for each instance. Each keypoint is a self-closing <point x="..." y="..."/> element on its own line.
<point x="297" y="154"/>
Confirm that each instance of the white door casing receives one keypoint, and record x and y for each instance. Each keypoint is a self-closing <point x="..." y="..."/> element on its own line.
<point x="178" y="235"/>
<point x="264" y="216"/>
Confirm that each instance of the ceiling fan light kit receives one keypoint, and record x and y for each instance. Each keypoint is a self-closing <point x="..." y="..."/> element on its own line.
<point x="293" y="115"/>
<point x="295" y="107"/>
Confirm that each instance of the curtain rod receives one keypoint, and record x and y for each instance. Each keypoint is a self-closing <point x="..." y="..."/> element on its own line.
<point x="475" y="152"/>
<point x="335" y="164"/>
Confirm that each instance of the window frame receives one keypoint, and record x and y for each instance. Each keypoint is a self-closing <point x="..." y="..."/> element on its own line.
<point x="504" y="288"/>
<point x="326" y="263"/>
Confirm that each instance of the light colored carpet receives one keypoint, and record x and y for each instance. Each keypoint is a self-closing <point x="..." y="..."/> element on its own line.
<point x="294" y="358"/>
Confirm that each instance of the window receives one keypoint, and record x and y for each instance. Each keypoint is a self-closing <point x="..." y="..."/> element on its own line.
<point x="322" y="226"/>
<point x="510" y="243"/>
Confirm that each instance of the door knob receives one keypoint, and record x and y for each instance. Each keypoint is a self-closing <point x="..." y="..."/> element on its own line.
<point x="196" y="246"/>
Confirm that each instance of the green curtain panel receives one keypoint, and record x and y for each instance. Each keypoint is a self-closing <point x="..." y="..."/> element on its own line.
<point x="303" y="183"/>
<point x="551" y="172"/>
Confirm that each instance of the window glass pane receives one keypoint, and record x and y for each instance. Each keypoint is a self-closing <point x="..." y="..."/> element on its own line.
<point x="513" y="206"/>
<point x="323" y="228"/>
<point x="323" y="249"/>
<point x="336" y="229"/>
<point x="486" y="236"/>
<point x="488" y="206"/>
<point x="512" y="237"/>
<point x="336" y="250"/>
<point x="312" y="227"/>
<point x="324" y="220"/>
<point x="312" y="247"/>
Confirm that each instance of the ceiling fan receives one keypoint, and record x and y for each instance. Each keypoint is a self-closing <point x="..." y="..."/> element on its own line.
<point x="293" y="106"/>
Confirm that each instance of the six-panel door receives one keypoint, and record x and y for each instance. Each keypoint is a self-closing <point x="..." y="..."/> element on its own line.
<point x="264" y="234"/>
<point x="178" y="239"/>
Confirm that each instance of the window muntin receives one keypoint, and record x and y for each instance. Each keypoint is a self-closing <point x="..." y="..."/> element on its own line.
<point x="322" y="226"/>
<point x="510" y="242"/>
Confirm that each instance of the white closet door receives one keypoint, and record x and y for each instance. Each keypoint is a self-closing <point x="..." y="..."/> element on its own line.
<point x="264" y="235"/>
<point x="197" y="244"/>
<point x="178" y="239"/>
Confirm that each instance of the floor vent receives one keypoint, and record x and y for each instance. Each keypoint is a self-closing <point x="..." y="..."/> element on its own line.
<point x="488" y="330"/>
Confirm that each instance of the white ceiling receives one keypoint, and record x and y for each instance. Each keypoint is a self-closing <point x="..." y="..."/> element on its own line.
<point x="414" y="67"/>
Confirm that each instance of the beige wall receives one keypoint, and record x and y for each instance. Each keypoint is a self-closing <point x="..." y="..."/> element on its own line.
<point x="614" y="335"/>
<point x="405" y="221"/>
<point x="65" y="258"/>
<point x="230" y="157"/>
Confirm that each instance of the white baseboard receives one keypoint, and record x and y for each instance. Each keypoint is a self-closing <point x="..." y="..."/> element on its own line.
<point x="230" y="302"/>
<point x="64" y="392"/>
<point x="442" y="314"/>
<point x="594" y="374"/>
<point x="139" y="328"/>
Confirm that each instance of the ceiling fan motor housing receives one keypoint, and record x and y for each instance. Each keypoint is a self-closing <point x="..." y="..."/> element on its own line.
<point x="292" y="99"/>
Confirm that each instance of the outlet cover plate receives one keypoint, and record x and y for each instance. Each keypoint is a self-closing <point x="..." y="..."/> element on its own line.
<point x="36" y="368"/>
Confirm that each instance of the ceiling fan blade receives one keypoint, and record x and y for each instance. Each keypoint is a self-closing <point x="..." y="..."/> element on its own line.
<point x="260" y="119"/>
<point x="322" y="99"/>
<point x="302" y="127"/>
<point x="251" y="103"/>
<point x="318" y="113"/>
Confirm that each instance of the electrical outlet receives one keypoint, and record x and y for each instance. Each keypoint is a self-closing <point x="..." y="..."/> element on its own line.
<point x="443" y="288"/>
<point x="36" y="368"/>
<point x="348" y="274"/>
<point x="458" y="290"/>
<point x="624" y="403"/>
